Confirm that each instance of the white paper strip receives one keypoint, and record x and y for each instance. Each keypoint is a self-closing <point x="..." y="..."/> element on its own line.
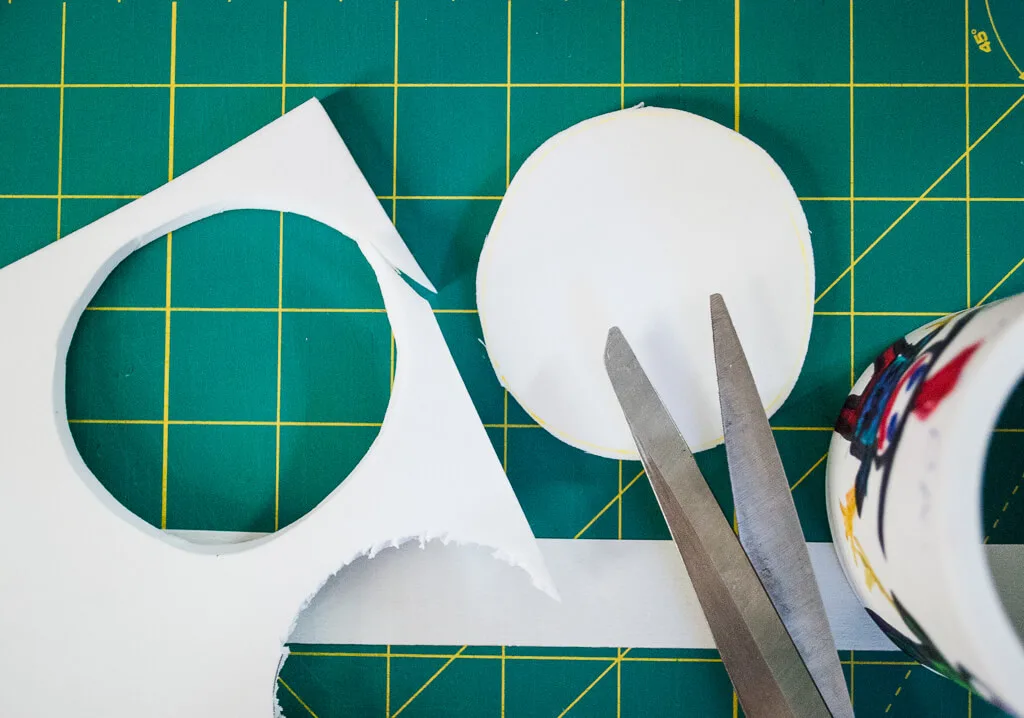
<point x="614" y="593"/>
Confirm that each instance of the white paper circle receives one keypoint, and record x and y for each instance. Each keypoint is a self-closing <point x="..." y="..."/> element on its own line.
<point x="634" y="219"/>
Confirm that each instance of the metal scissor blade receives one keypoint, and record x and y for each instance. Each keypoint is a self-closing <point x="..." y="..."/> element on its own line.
<point x="770" y="678"/>
<point x="768" y="523"/>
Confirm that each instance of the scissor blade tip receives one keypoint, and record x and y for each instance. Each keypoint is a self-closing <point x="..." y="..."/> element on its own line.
<point x="614" y="340"/>
<point x="618" y="355"/>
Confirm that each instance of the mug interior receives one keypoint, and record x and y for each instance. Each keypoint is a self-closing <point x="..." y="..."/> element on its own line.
<point x="982" y="599"/>
<point x="1002" y="507"/>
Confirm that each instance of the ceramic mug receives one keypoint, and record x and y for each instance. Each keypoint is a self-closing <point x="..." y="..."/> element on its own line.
<point x="904" y="480"/>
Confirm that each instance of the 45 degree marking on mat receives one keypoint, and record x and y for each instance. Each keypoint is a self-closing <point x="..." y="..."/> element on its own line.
<point x="981" y="40"/>
<point x="984" y="43"/>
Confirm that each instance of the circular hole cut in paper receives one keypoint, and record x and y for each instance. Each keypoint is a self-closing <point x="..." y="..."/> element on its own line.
<point x="633" y="219"/>
<point x="226" y="469"/>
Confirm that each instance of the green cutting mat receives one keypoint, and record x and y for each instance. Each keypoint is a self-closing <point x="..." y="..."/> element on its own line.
<point x="277" y="350"/>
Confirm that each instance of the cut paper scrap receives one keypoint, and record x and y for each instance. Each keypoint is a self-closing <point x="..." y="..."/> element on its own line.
<point x="642" y="584"/>
<point x="633" y="219"/>
<point x="614" y="593"/>
<point x="103" y="615"/>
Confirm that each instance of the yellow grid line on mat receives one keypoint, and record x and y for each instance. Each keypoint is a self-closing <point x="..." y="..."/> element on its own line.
<point x="999" y="39"/>
<point x="545" y="657"/>
<point x="619" y="502"/>
<point x="280" y="287"/>
<point x="617" y="661"/>
<point x="503" y="661"/>
<point x="628" y="486"/>
<point x="167" y="279"/>
<point x="381" y="310"/>
<point x="736" y="127"/>
<point x="394" y="120"/>
<point x="370" y="424"/>
<point x="618" y="685"/>
<point x="498" y="198"/>
<point x="508" y="95"/>
<point x="296" y="697"/>
<point x="604" y="509"/>
<point x="497" y="85"/>
<point x="1000" y="283"/>
<point x="924" y="194"/>
<point x="622" y="106"/>
<point x="899" y="689"/>
<point x="967" y="142"/>
<point x="394" y="219"/>
<point x="853" y="307"/>
<point x="809" y="471"/>
<point x="60" y="120"/>
<point x="430" y="680"/>
<point x="508" y="180"/>
<point x="882" y="314"/>
<point x="736" y="66"/>
<point x="622" y="55"/>
<point x="387" y="681"/>
<point x="1006" y="505"/>
<point x="853" y="245"/>
<point x="280" y="343"/>
<point x="866" y="198"/>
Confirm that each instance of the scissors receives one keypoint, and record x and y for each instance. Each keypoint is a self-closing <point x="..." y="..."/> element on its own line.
<point x="758" y="591"/>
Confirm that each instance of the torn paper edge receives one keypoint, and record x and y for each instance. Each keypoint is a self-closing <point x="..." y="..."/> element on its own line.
<point x="430" y="473"/>
<point x="643" y="583"/>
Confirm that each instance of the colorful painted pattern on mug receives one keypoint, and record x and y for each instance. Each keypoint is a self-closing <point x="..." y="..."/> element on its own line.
<point x="904" y="382"/>
<point x="901" y="384"/>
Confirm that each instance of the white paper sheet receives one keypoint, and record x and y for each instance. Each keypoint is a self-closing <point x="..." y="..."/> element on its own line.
<point x="102" y="615"/>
